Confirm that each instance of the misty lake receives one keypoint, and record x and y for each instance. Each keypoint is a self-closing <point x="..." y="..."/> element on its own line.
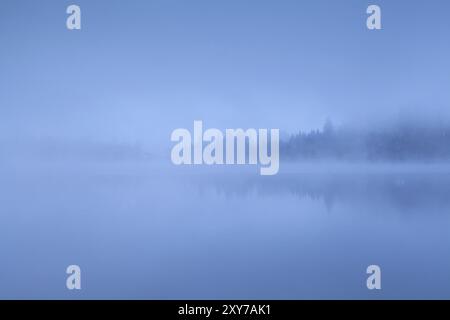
<point x="150" y="232"/>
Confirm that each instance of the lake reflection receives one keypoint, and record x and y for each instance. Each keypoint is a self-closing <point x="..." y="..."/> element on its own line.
<point x="156" y="234"/>
<point x="408" y="193"/>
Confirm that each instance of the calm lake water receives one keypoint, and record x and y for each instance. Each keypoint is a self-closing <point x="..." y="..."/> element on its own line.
<point x="144" y="232"/>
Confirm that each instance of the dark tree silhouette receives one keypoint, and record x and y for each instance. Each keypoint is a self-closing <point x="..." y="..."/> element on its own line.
<point x="400" y="142"/>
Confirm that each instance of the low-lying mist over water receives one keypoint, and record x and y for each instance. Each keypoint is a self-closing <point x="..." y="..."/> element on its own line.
<point x="196" y="234"/>
<point x="345" y="197"/>
<point x="406" y="140"/>
<point x="87" y="177"/>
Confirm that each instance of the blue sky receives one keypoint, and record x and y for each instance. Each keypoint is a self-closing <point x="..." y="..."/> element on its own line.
<point x="139" y="69"/>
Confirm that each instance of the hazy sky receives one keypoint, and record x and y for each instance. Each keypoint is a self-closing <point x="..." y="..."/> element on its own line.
<point x="139" y="69"/>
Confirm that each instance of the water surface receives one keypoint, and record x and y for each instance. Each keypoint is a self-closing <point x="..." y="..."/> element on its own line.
<point x="144" y="232"/>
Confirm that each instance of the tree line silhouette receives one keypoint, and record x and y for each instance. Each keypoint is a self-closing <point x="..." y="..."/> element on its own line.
<point x="403" y="141"/>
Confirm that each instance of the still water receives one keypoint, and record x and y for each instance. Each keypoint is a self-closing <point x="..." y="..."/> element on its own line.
<point x="150" y="232"/>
